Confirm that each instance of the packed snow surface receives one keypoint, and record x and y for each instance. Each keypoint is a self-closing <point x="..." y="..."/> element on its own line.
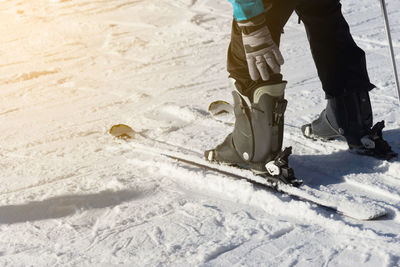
<point x="71" y="195"/>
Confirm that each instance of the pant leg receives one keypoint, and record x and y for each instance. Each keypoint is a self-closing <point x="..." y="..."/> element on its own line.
<point x="237" y="67"/>
<point x="340" y="63"/>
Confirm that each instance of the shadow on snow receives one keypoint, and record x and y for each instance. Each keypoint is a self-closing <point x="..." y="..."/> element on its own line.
<point x="63" y="206"/>
<point x="331" y="168"/>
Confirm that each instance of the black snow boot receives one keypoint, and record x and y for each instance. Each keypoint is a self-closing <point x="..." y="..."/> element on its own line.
<point x="256" y="140"/>
<point x="349" y="116"/>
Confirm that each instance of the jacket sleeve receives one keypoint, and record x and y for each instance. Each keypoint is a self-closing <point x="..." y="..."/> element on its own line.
<point x="246" y="9"/>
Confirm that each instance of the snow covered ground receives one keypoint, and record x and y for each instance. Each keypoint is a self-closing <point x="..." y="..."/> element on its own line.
<point x="71" y="195"/>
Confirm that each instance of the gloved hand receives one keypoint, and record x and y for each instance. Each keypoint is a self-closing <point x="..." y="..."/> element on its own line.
<point x="261" y="51"/>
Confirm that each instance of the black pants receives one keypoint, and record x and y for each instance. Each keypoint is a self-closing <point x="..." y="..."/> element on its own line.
<point x="340" y="62"/>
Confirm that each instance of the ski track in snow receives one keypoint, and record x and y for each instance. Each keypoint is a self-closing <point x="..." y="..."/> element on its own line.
<point x="72" y="196"/>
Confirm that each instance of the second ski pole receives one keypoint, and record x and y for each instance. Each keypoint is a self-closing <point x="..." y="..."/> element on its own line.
<point x="389" y="37"/>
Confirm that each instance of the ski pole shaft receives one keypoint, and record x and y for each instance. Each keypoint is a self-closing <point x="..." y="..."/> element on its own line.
<point x="389" y="37"/>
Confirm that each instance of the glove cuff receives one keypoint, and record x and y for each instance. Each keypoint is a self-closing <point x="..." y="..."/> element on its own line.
<point x="251" y="25"/>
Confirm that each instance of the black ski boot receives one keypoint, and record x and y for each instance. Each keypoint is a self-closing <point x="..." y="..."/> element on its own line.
<point x="256" y="140"/>
<point x="350" y="117"/>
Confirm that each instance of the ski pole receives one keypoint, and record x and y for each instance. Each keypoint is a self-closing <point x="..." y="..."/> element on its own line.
<point x="389" y="37"/>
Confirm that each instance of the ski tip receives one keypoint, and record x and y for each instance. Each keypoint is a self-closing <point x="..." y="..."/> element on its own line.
<point x="218" y="103"/>
<point x="122" y="131"/>
<point x="376" y="213"/>
<point x="219" y="107"/>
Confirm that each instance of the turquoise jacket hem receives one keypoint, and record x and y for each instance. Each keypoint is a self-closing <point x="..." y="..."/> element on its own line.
<point x="246" y="9"/>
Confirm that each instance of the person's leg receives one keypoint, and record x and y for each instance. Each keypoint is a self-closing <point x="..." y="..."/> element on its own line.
<point x="340" y="63"/>
<point x="343" y="73"/>
<point x="257" y="136"/>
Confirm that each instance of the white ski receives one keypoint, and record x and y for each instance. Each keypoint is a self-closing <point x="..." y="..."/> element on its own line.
<point x="336" y="203"/>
